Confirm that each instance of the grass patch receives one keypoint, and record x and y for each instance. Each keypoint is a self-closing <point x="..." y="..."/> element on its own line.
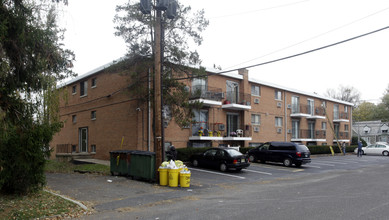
<point x="54" y="166"/>
<point x="37" y="205"/>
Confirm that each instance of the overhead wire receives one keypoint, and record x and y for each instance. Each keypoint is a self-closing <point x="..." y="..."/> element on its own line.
<point x="292" y="56"/>
<point x="314" y="37"/>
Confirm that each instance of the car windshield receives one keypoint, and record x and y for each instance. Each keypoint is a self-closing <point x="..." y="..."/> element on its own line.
<point x="302" y="148"/>
<point x="233" y="152"/>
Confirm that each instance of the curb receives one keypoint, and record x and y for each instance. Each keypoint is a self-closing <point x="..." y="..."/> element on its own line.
<point x="69" y="199"/>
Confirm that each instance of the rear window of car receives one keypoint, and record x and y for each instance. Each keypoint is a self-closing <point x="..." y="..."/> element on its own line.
<point x="302" y="148"/>
<point x="233" y="152"/>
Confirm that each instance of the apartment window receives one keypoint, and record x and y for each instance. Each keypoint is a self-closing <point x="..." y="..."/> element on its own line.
<point x="200" y="119"/>
<point x="255" y="119"/>
<point x="255" y="90"/>
<point x="93" y="148"/>
<point x="278" y="121"/>
<point x="295" y="104"/>
<point x="324" y="126"/>
<point x="94" y="83"/>
<point x="74" y="89"/>
<point x="74" y="118"/>
<point x="83" y="88"/>
<point x="93" y="115"/>
<point x="311" y="106"/>
<point x="336" y="111"/>
<point x="278" y="95"/>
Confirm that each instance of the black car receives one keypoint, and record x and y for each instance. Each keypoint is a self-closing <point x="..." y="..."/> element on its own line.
<point x="287" y="153"/>
<point x="221" y="158"/>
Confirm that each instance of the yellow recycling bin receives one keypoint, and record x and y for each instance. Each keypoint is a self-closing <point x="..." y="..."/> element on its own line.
<point x="163" y="180"/>
<point x="173" y="177"/>
<point x="185" y="179"/>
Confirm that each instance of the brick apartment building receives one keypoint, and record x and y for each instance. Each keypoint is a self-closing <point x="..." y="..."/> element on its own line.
<point x="100" y="115"/>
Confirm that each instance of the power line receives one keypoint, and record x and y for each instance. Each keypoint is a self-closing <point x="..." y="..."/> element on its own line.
<point x="303" y="53"/>
<point x="314" y="37"/>
<point x="291" y="56"/>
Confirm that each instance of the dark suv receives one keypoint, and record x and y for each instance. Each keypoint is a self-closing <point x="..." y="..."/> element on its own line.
<point x="287" y="153"/>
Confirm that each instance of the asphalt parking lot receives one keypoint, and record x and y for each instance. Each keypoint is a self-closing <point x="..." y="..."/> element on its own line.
<point x="268" y="171"/>
<point x="114" y="197"/>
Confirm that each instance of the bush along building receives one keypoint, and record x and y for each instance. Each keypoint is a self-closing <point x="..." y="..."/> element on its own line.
<point x="101" y="115"/>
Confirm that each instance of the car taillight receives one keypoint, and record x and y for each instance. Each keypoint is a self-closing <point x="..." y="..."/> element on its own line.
<point x="298" y="154"/>
<point x="235" y="161"/>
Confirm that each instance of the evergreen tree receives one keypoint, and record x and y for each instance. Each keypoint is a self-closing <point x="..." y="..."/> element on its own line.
<point x="179" y="61"/>
<point x="32" y="60"/>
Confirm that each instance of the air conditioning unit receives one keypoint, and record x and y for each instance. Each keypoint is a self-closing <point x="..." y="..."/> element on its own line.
<point x="289" y="131"/>
<point x="222" y="127"/>
<point x="256" y="129"/>
<point x="256" y="101"/>
<point x="279" y="104"/>
<point x="289" y="106"/>
<point x="279" y="130"/>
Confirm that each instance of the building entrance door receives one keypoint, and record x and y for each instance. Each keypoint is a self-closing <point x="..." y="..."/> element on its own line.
<point x="83" y="140"/>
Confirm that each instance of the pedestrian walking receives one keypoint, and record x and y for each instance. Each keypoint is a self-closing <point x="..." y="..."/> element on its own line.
<point x="359" y="154"/>
<point x="344" y="148"/>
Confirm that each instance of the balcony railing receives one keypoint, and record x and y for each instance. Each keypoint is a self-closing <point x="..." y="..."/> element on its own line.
<point x="311" y="134"/>
<point x="219" y="131"/>
<point x="342" y="135"/>
<point x="206" y="92"/>
<point x="64" y="148"/>
<point x="237" y="98"/>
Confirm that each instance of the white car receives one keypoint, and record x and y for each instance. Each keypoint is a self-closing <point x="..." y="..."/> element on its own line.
<point x="375" y="149"/>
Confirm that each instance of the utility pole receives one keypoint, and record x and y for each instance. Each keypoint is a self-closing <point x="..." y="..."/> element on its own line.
<point x="157" y="92"/>
<point x="170" y="6"/>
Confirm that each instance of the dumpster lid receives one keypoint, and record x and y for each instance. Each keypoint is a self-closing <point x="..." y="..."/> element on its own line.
<point x="139" y="152"/>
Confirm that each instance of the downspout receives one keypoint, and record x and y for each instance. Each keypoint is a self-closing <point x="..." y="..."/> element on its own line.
<point x="286" y="119"/>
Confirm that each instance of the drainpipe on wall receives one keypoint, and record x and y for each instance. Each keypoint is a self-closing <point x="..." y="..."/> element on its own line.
<point x="286" y="121"/>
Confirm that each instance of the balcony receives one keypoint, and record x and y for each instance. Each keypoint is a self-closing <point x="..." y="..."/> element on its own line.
<point x="307" y="111"/>
<point x="237" y="101"/>
<point x="207" y="95"/>
<point x="219" y="133"/>
<point x="341" y="117"/>
<point x="310" y="135"/>
<point x="342" y="135"/>
<point x="67" y="152"/>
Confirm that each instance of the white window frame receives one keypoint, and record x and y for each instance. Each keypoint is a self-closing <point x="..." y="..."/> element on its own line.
<point x="256" y="90"/>
<point x="278" y="122"/>
<point x="255" y="119"/>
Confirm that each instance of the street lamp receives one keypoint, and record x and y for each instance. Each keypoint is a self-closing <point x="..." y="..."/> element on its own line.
<point x="170" y="6"/>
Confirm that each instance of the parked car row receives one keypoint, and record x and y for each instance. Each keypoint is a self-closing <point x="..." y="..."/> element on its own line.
<point x="287" y="153"/>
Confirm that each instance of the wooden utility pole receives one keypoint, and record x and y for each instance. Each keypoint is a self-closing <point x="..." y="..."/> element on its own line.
<point x="157" y="93"/>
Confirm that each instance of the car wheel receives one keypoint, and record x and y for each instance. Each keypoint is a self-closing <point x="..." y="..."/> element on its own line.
<point x="385" y="153"/>
<point x="238" y="169"/>
<point x="252" y="158"/>
<point x="287" y="162"/>
<point x="223" y="167"/>
<point x="298" y="164"/>
<point x="195" y="163"/>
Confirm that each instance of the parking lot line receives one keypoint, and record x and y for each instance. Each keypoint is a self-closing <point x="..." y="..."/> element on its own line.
<point x="333" y="162"/>
<point x="312" y="166"/>
<point x="323" y="164"/>
<point x="223" y="174"/>
<point x="254" y="171"/>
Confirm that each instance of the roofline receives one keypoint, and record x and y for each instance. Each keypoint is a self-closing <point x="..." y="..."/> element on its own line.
<point x="232" y="74"/>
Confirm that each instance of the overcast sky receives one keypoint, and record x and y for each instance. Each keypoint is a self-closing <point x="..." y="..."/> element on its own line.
<point x="248" y="32"/>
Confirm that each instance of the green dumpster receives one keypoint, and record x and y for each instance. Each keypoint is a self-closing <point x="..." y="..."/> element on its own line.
<point x="142" y="165"/>
<point x="119" y="162"/>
